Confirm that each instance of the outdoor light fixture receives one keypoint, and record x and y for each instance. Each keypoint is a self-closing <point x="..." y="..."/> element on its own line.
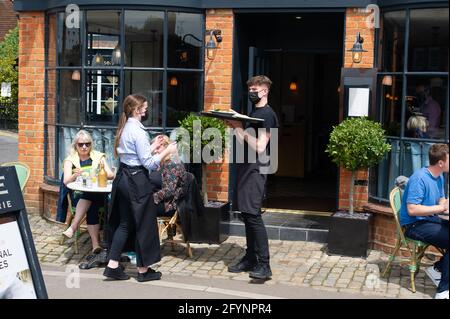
<point x="173" y="81"/>
<point x="357" y="49"/>
<point x="211" y="45"/>
<point x="387" y="80"/>
<point x="76" y="75"/>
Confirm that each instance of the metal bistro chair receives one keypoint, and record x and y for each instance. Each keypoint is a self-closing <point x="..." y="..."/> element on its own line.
<point x="77" y="234"/>
<point x="171" y="226"/>
<point x="416" y="248"/>
<point x="23" y="172"/>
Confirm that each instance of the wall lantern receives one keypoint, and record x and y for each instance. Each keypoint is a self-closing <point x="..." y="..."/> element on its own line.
<point x="76" y="75"/>
<point x="387" y="80"/>
<point x="211" y="45"/>
<point x="293" y="84"/>
<point x="173" y="81"/>
<point x="357" y="49"/>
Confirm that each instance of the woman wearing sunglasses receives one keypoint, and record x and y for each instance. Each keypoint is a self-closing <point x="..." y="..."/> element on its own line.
<point x="81" y="161"/>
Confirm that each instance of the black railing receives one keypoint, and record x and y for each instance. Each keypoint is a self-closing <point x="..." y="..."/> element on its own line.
<point x="8" y="115"/>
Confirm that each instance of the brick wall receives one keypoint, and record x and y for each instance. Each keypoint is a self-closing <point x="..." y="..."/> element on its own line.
<point x="8" y="18"/>
<point x="31" y="102"/>
<point x="218" y="79"/>
<point x="356" y="22"/>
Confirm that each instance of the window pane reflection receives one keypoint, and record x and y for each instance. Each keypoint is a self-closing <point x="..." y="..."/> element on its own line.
<point x="102" y="95"/>
<point x="69" y="97"/>
<point x="428" y="42"/>
<point x="70" y="42"/>
<point x="185" y="40"/>
<point x="391" y="103"/>
<point x="183" y="96"/>
<point x="393" y="41"/>
<point x="425" y="116"/>
<point x="148" y="84"/>
<point x="144" y="38"/>
<point x="103" y="32"/>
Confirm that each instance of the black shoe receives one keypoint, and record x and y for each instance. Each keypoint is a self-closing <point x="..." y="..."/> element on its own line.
<point x="261" y="271"/>
<point x="115" y="273"/>
<point x="149" y="275"/>
<point x="243" y="265"/>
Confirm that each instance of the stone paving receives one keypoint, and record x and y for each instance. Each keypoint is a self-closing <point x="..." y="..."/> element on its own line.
<point x="294" y="263"/>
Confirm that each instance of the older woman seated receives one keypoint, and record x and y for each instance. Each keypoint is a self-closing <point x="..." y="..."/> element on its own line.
<point x="82" y="159"/>
<point x="169" y="179"/>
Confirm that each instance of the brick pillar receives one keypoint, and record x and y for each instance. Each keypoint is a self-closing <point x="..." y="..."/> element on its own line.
<point x="218" y="77"/>
<point x="31" y="102"/>
<point x="356" y="22"/>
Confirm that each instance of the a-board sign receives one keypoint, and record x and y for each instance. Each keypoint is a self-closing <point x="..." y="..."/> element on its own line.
<point x="20" y="272"/>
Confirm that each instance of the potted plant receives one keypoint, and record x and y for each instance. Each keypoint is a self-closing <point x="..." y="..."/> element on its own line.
<point x="356" y="143"/>
<point x="211" y="229"/>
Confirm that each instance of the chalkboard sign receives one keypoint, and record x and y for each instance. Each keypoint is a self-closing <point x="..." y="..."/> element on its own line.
<point x="20" y="272"/>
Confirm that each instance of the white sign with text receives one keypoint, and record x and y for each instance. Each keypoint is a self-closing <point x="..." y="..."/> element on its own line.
<point x="12" y="253"/>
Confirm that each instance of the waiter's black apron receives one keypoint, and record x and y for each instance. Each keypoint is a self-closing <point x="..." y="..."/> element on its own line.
<point x="142" y="209"/>
<point x="250" y="186"/>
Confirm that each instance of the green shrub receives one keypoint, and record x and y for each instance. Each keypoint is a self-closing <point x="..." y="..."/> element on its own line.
<point x="357" y="143"/>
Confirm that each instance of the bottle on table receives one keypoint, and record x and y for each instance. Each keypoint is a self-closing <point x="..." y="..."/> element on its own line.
<point x="102" y="176"/>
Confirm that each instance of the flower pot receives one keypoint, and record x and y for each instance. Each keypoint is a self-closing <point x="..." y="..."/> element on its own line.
<point x="349" y="234"/>
<point x="209" y="227"/>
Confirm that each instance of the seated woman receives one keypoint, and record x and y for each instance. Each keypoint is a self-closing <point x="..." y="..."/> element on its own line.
<point x="417" y="126"/>
<point x="83" y="159"/>
<point x="173" y="177"/>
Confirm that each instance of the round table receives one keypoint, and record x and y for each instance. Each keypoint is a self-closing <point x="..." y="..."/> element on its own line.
<point x="78" y="186"/>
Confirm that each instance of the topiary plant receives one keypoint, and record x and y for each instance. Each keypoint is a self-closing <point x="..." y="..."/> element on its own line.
<point x="214" y="146"/>
<point x="357" y="143"/>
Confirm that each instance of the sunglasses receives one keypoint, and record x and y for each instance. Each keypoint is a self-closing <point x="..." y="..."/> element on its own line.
<point x="84" y="144"/>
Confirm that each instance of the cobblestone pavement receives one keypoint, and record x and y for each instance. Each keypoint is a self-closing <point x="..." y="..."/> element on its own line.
<point x="294" y="263"/>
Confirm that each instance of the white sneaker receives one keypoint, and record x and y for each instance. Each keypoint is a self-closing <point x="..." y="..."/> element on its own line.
<point x="434" y="275"/>
<point x="441" y="295"/>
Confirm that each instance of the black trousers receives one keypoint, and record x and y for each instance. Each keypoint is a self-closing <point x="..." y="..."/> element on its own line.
<point x="257" y="240"/>
<point x="126" y="225"/>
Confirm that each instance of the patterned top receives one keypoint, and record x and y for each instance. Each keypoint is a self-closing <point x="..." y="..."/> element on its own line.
<point x="173" y="179"/>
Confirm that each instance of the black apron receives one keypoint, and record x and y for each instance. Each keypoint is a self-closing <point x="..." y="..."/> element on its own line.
<point x="143" y="210"/>
<point x="250" y="185"/>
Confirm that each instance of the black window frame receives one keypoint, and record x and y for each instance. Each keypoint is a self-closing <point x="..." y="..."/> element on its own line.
<point x="404" y="74"/>
<point x="84" y="69"/>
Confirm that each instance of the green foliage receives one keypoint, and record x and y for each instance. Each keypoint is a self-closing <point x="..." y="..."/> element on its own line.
<point x="357" y="143"/>
<point x="9" y="52"/>
<point x="206" y="122"/>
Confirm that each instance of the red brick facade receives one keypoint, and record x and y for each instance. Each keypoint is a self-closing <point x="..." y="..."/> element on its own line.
<point x="31" y="102"/>
<point x="8" y="18"/>
<point x="218" y="92"/>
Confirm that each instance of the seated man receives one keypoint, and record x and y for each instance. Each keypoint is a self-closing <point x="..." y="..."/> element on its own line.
<point x="422" y="204"/>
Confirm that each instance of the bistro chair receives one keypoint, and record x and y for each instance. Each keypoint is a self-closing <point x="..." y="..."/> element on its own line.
<point x="77" y="234"/>
<point x="170" y="226"/>
<point x="416" y="248"/>
<point x="23" y="172"/>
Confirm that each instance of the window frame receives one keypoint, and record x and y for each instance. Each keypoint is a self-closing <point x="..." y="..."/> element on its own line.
<point x="404" y="74"/>
<point x="121" y="69"/>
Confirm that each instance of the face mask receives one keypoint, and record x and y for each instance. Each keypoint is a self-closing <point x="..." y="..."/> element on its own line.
<point x="144" y="116"/>
<point x="254" y="98"/>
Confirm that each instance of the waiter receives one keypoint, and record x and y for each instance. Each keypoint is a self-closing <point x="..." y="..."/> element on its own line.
<point x="252" y="179"/>
<point x="133" y="211"/>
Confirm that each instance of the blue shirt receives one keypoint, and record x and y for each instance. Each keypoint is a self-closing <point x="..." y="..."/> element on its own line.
<point x="134" y="146"/>
<point x="422" y="189"/>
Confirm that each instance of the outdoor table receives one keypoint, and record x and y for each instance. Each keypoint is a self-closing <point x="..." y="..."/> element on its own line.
<point x="100" y="258"/>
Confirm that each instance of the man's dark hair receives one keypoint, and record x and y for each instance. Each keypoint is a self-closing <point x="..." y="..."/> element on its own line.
<point x="260" y="80"/>
<point x="438" y="152"/>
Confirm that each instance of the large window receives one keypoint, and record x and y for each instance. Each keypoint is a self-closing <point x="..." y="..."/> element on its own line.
<point x="114" y="53"/>
<point x="412" y="91"/>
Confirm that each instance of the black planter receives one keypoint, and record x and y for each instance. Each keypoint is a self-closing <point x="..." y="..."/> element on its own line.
<point x="209" y="229"/>
<point x="349" y="234"/>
